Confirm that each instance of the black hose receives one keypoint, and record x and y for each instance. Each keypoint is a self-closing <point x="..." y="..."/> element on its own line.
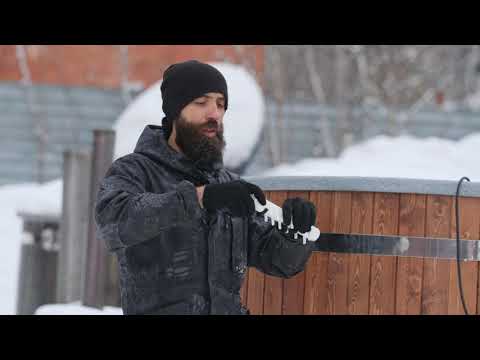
<point x="459" y="271"/>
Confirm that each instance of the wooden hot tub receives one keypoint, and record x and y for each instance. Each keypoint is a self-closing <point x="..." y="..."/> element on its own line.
<point x="372" y="283"/>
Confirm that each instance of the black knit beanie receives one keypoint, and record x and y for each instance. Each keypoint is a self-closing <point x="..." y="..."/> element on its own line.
<point x="184" y="82"/>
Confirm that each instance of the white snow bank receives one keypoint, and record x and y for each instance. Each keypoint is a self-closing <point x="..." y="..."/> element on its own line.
<point x="76" y="308"/>
<point x="32" y="198"/>
<point x="399" y="157"/>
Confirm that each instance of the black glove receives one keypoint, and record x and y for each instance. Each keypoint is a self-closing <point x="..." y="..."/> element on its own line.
<point x="233" y="196"/>
<point x="303" y="212"/>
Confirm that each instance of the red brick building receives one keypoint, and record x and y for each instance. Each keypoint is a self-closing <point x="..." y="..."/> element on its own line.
<point x="106" y="66"/>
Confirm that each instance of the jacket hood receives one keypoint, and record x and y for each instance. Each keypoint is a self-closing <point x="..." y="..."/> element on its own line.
<point x="153" y="145"/>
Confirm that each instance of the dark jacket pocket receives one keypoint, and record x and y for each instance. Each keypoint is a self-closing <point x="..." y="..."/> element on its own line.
<point x="239" y="245"/>
<point x="181" y="308"/>
<point x="196" y="305"/>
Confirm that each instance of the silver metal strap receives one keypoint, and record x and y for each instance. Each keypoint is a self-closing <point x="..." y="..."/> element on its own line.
<point x="436" y="248"/>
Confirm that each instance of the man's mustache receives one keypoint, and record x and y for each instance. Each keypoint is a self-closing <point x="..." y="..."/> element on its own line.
<point x="211" y="125"/>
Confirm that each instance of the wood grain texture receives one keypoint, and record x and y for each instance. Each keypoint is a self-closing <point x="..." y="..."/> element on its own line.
<point x="316" y="296"/>
<point x="409" y="269"/>
<point x="383" y="268"/>
<point x="256" y="281"/>
<point x="334" y="283"/>
<point x="243" y="290"/>
<point x="273" y="292"/>
<point x="359" y="264"/>
<point x="469" y="221"/>
<point x="337" y="282"/>
<point x="436" y="272"/>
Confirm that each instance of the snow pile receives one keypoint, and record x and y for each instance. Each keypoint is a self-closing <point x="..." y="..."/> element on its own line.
<point x="76" y="308"/>
<point x="243" y="120"/>
<point x="400" y="157"/>
<point x="145" y="109"/>
<point x="33" y="198"/>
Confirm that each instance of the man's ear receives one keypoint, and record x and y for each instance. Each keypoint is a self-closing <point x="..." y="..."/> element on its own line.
<point x="173" y="133"/>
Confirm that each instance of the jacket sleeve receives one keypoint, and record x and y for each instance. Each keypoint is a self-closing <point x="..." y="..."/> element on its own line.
<point x="274" y="253"/>
<point x="126" y="214"/>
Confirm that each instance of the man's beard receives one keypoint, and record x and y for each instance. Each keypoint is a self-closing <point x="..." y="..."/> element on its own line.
<point x="204" y="151"/>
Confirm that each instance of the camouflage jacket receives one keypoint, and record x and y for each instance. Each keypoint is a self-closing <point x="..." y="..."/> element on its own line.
<point x="175" y="257"/>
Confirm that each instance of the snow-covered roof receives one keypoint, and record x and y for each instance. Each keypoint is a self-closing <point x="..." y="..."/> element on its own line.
<point x="243" y="120"/>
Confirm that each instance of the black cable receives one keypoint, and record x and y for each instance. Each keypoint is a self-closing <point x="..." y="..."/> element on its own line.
<point x="459" y="273"/>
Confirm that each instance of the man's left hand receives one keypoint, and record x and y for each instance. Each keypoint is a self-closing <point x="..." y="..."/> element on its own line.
<point x="302" y="212"/>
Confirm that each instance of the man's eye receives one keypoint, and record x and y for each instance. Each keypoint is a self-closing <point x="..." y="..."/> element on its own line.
<point x="200" y="102"/>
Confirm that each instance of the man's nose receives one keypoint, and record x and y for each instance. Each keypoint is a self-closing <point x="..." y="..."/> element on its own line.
<point x="215" y="112"/>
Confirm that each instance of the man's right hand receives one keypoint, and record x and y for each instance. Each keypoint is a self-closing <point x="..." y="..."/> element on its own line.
<point x="233" y="196"/>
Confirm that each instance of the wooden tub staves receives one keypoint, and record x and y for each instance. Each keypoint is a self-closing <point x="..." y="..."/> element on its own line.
<point x="353" y="283"/>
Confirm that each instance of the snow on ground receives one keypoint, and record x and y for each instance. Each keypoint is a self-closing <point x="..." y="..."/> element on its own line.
<point x="243" y="120"/>
<point x="76" y="308"/>
<point x="37" y="199"/>
<point x="33" y="198"/>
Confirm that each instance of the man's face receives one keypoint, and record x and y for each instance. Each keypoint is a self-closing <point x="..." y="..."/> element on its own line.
<point x="206" y="112"/>
<point x="199" y="129"/>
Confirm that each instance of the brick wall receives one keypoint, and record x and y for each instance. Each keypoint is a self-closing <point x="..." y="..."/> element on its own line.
<point x="101" y="65"/>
